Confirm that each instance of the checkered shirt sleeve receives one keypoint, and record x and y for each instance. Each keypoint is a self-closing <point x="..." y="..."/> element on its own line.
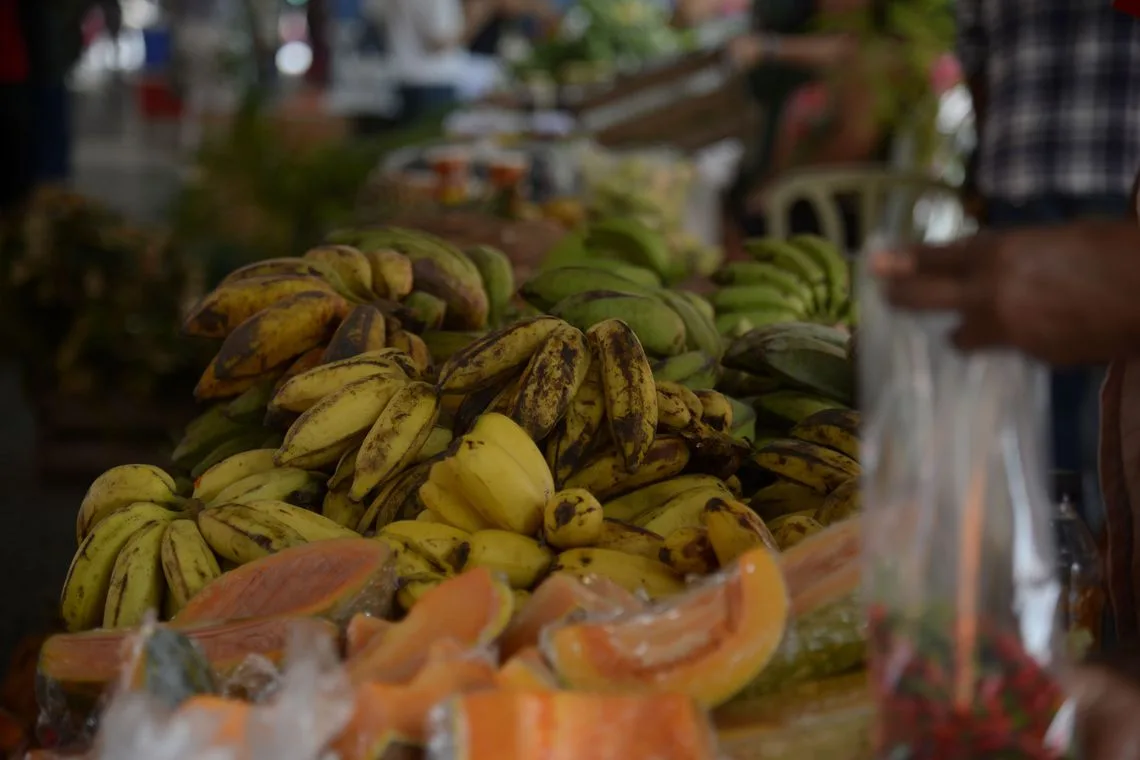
<point x="1063" y="101"/>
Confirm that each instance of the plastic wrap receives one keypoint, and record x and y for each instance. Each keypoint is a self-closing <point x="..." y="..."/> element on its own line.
<point x="959" y="575"/>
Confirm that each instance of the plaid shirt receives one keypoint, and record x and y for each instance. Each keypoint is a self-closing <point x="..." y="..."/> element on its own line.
<point x="1063" y="96"/>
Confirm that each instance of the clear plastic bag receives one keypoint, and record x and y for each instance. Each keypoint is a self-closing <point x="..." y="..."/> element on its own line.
<point x="959" y="569"/>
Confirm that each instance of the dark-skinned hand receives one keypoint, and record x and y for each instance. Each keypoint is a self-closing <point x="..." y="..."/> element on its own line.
<point x="1066" y="294"/>
<point x="1107" y="706"/>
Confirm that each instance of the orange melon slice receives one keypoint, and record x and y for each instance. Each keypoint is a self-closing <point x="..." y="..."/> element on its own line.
<point x="707" y="644"/>
<point x="473" y="609"/>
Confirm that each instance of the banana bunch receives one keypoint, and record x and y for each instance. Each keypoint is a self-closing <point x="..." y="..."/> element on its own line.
<point x="143" y="547"/>
<point x="803" y="279"/>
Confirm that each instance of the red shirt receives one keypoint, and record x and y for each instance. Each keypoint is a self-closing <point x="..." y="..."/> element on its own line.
<point x="14" y="65"/>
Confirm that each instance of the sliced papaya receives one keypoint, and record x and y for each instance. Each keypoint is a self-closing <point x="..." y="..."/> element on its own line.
<point x="473" y="609"/>
<point x="332" y="579"/>
<point x="526" y="671"/>
<point x="564" y="725"/>
<point x="557" y="597"/>
<point x="708" y="643"/>
<point x="824" y="566"/>
<point x="361" y="630"/>
<point x="222" y="723"/>
<point x="387" y="717"/>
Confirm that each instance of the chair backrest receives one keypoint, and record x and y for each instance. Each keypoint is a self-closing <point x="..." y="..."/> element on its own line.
<point x="872" y="187"/>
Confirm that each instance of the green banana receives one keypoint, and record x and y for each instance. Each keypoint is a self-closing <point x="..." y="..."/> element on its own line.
<point x="831" y="261"/>
<point x="442" y="344"/>
<point x="226" y="449"/>
<point x="794" y="261"/>
<point x="250" y="405"/>
<point x="551" y="286"/>
<point x="429" y="310"/>
<point x="745" y="352"/>
<point x="632" y="272"/>
<point x="811" y="365"/>
<point x="783" y="409"/>
<point x="204" y="435"/>
<point x="498" y="279"/>
<point x="659" y="328"/>
<point x="738" y="323"/>
<point x="745" y="298"/>
<point x="700" y="303"/>
<point x="700" y="329"/>
<point x="693" y="369"/>
<point x="743" y="419"/>
<point x="734" y="382"/>
<point x="762" y="273"/>
<point x="634" y="242"/>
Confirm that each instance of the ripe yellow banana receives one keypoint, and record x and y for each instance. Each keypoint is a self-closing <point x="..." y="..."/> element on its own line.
<point x="300" y="392"/>
<point x="505" y="400"/>
<point x="345" y="469"/>
<point x="444" y="497"/>
<point x="605" y="475"/>
<point x="310" y="525"/>
<point x="677" y="406"/>
<point x="396" y="497"/>
<point x="633" y="572"/>
<point x="221" y="310"/>
<point x="550" y="381"/>
<point x="396" y="437"/>
<point x="188" y="563"/>
<point x="443" y="544"/>
<point x="241" y="534"/>
<point x="341" y="509"/>
<point x="284" y="483"/>
<point x="85" y="588"/>
<point x="232" y="469"/>
<point x="785" y="497"/>
<point x="413" y="587"/>
<point x="416" y="350"/>
<point x="690" y="552"/>
<point x="410" y="562"/>
<point x="637" y="503"/>
<point x="276" y="335"/>
<point x="137" y="584"/>
<point x="682" y="511"/>
<point x="630" y="393"/>
<point x="735" y="529"/>
<point x="572" y="518"/>
<point x="120" y="487"/>
<point x="494" y="483"/>
<point x="790" y="530"/>
<point x="815" y="466"/>
<point x="836" y="429"/>
<point x="622" y="537"/>
<point x="574" y="437"/>
<point x="350" y="265"/>
<point x="340" y="416"/>
<point x="716" y="410"/>
<point x="285" y="265"/>
<point x="391" y="273"/>
<point x="429" y="517"/>
<point x="496" y="355"/>
<point x="844" y="502"/>
<point x="504" y="432"/>
<point x="437" y="442"/>
<point x="520" y="558"/>
<point x="327" y="458"/>
<point x="364" y="329"/>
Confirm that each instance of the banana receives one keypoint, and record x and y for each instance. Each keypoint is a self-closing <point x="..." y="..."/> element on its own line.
<point x="137" y="584"/>
<point x="429" y="517"/>
<point x="221" y="310"/>
<point x="753" y="344"/>
<point x="495" y="356"/>
<point x="276" y="335"/>
<point x="284" y="266"/>
<point x="550" y="381"/>
<point x="300" y="392"/>
<point x="283" y="483"/>
<point x="188" y="563"/>
<point x="638" y="274"/>
<point x="391" y="273"/>
<point x="629" y="239"/>
<point x="630" y="392"/>
<point x="572" y="518"/>
<point x="326" y="459"/>
<point x="242" y="442"/>
<point x="783" y="409"/>
<point x="842" y="503"/>
<point x="682" y="511"/>
<point x="690" y="552"/>
<point x="810" y="464"/>
<point x="392" y="495"/>
<point x="242" y="534"/>
<point x="303" y="363"/>
<point x="520" y="558"/>
<point x="574" y="437"/>
<point x="828" y="258"/>
<point x="735" y="323"/>
<point x="350" y="265"/>
<point x="443" y="495"/>
<point x="341" y="509"/>
<point x="748" y="298"/>
<point x="345" y="469"/>
<point x="498" y="276"/>
<point x="632" y="572"/>
<point x="700" y="304"/>
<point x="447" y="546"/>
<point x="658" y="327"/>
<point x="416" y="350"/>
<point x="396" y="437"/>
<point x="716" y="410"/>
<point x="764" y="273"/>
<point x="836" y="429"/>
<point x="555" y="285"/>
<point x="793" y="260"/>
<point x="120" y="487"/>
<point x="441" y="269"/>
<point x="363" y="330"/>
<point x="413" y="587"/>
<point x="341" y="416"/>
<point x="230" y="470"/>
<point x="310" y="525"/>
<point x="426" y="309"/>
<point x="734" y="529"/>
<point x="605" y="476"/>
<point x="687" y="369"/>
<point x="409" y="562"/>
<point x="250" y="405"/>
<point x="785" y="497"/>
<point x="621" y="537"/>
<point x="799" y="358"/>
<point x="205" y="434"/>
<point x="443" y="344"/>
<point x="677" y="406"/>
<point x="699" y="320"/>
<point x="499" y="489"/>
<point x="438" y="441"/>
<point x="790" y="530"/>
<point x="743" y="424"/>
<point x="85" y="588"/>
<point x="501" y="430"/>
<point x="633" y="505"/>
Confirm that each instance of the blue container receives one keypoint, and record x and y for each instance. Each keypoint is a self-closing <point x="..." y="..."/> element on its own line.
<point x="158" y="45"/>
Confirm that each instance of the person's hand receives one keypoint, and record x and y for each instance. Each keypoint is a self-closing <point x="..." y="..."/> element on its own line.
<point x="1065" y="294"/>
<point x="1107" y="706"/>
<point x="745" y="50"/>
